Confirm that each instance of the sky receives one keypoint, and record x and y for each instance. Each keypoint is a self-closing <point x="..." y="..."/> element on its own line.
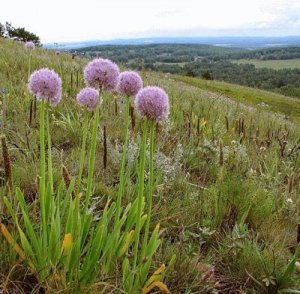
<point x="66" y="21"/>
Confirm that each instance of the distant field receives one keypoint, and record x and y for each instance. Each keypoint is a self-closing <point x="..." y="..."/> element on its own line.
<point x="274" y="64"/>
<point x="171" y="63"/>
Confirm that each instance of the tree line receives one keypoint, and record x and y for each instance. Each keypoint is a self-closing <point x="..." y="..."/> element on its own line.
<point x="7" y="30"/>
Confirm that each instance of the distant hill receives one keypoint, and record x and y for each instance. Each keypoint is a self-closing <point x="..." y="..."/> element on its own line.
<point x="210" y="62"/>
<point x="242" y="42"/>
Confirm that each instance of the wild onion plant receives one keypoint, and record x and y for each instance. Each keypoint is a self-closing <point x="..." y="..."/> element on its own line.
<point x="86" y="248"/>
<point x="102" y="74"/>
<point x="46" y="86"/>
<point x="89" y="98"/>
<point x="30" y="47"/>
<point x="152" y="104"/>
<point x="129" y="85"/>
<point x="73" y="246"/>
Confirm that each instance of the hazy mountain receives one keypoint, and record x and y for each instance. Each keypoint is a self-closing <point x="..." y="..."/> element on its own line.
<point x="243" y="42"/>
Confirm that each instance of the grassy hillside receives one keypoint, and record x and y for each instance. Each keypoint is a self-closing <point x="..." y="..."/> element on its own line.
<point x="287" y="106"/>
<point x="227" y="177"/>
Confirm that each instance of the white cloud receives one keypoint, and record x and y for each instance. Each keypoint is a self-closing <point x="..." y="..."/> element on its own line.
<point x="65" y="20"/>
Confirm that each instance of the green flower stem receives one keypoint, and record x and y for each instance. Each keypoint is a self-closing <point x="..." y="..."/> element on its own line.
<point x="140" y="194"/>
<point x="123" y="163"/>
<point x="83" y="146"/>
<point x="50" y="170"/>
<point x="150" y="185"/>
<point x="92" y="159"/>
<point x="42" y="180"/>
<point x="29" y="65"/>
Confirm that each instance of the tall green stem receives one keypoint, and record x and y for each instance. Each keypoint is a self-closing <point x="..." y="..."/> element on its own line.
<point x="29" y="65"/>
<point x="83" y="146"/>
<point x="50" y="170"/>
<point x="150" y="185"/>
<point x="92" y="159"/>
<point x="42" y="180"/>
<point x="140" y="194"/>
<point x="123" y="162"/>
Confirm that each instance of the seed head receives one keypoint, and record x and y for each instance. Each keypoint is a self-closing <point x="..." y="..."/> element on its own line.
<point x="45" y="84"/>
<point x="129" y="83"/>
<point x="29" y="45"/>
<point x="101" y="73"/>
<point x="88" y="97"/>
<point x="153" y="103"/>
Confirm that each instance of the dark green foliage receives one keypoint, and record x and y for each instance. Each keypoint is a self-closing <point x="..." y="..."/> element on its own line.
<point x="207" y="75"/>
<point x="166" y="53"/>
<point x="2" y="30"/>
<point x="270" y="53"/>
<point x="20" y="34"/>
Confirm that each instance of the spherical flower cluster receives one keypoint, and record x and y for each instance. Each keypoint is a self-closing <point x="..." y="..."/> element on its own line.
<point x="129" y="83"/>
<point x="153" y="103"/>
<point x="29" y="45"/>
<point x="45" y="84"/>
<point x="101" y="73"/>
<point x="88" y="97"/>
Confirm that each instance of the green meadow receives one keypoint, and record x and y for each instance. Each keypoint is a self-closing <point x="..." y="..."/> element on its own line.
<point x="225" y="207"/>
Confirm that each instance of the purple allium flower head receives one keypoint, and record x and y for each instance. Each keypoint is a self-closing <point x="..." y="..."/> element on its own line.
<point x="101" y="73"/>
<point x="45" y="84"/>
<point x="88" y="97"/>
<point x="129" y="83"/>
<point x="153" y="103"/>
<point x="29" y="45"/>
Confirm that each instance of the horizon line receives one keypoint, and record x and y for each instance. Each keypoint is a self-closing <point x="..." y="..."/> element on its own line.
<point x="170" y="37"/>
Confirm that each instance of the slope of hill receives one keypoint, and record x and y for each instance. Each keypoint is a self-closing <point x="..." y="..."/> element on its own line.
<point x="239" y="42"/>
<point x="227" y="176"/>
<point x="288" y="106"/>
